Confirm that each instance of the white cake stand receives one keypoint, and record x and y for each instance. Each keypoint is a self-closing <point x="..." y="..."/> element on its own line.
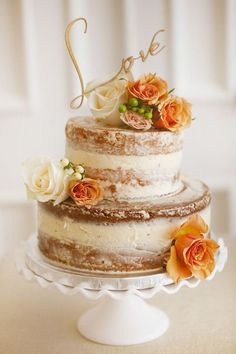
<point x="123" y="317"/>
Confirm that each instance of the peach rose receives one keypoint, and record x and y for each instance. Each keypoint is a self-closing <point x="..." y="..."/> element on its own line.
<point x="85" y="192"/>
<point x="191" y="254"/>
<point x="173" y="114"/>
<point x="135" y="120"/>
<point x="149" y="88"/>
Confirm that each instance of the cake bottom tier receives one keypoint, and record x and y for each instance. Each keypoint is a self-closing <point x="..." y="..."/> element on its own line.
<point x="89" y="258"/>
<point x="118" y="237"/>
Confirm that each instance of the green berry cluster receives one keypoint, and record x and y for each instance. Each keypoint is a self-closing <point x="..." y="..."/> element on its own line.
<point x="137" y="106"/>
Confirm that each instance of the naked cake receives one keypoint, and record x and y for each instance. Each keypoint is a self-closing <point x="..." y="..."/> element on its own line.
<point x="117" y="203"/>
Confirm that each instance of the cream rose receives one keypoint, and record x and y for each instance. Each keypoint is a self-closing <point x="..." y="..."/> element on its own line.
<point x="104" y="101"/>
<point x="45" y="180"/>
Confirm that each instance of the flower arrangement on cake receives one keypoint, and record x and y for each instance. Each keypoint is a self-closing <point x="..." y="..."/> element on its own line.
<point x="140" y="104"/>
<point x="49" y="180"/>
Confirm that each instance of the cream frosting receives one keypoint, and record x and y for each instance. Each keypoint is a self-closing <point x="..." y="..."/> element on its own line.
<point x="87" y="134"/>
<point x="133" y="190"/>
<point x="154" y="175"/>
<point x="151" y="235"/>
<point x="166" y="163"/>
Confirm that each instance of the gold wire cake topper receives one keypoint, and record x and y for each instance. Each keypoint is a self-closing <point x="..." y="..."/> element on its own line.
<point x="126" y="63"/>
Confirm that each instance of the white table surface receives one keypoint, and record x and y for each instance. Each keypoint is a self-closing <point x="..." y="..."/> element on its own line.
<point x="34" y="320"/>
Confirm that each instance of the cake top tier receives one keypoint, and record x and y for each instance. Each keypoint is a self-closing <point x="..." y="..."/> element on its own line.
<point x="128" y="164"/>
<point x="86" y="133"/>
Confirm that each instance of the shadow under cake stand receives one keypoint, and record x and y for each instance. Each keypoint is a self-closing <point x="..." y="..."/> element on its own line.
<point x="123" y="317"/>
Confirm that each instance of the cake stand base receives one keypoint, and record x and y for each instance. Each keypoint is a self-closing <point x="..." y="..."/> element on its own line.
<point x="124" y="321"/>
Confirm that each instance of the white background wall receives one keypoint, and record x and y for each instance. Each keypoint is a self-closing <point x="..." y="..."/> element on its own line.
<point x="37" y="82"/>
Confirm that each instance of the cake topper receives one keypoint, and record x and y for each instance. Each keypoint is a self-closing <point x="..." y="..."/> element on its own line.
<point x="126" y="63"/>
<point x="118" y="100"/>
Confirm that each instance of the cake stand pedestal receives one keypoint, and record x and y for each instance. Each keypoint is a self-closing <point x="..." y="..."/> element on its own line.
<point x="123" y="317"/>
<point x="123" y="321"/>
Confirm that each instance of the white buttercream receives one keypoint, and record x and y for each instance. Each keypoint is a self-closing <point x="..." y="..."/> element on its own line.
<point x="133" y="190"/>
<point x="150" y="235"/>
<point x="165" y="162"/>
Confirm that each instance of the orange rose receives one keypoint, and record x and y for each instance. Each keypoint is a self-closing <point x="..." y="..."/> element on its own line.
<point x="85" y="192"/>
<point x="191" y="254"/>
<point x="174" y="113"/>
<point x="149" y="88"/>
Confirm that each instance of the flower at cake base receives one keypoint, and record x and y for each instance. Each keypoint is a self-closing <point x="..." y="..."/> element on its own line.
<point x="191" y="254"/>
<point x="85" y="192"/>
<point x="149" y="88"/>
<point x="104" y="101"/>
<point x="135" y="120"/>
<point x="45" y="180"/>
<point x="173" y="114"/>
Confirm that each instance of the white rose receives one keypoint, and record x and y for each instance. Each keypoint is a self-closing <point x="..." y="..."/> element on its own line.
<point x="45" y="180"/>
<point x="104" y="101"/>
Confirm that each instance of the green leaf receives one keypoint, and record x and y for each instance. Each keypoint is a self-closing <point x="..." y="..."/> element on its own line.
<point x="171" y="91"/>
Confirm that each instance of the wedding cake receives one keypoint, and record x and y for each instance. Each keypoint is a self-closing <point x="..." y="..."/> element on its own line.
<point x="117" y="203"/>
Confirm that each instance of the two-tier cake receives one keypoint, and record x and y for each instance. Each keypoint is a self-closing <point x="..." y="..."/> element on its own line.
<point x="117" y="202"/>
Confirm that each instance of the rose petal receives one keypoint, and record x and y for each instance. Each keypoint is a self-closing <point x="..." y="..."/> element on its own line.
<point x="195" y="225"/>
<point x="183" y="243"/>
<point x="175" y="268"/>
<point x="204" y="271"/>
<point x="212" y="244"/>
